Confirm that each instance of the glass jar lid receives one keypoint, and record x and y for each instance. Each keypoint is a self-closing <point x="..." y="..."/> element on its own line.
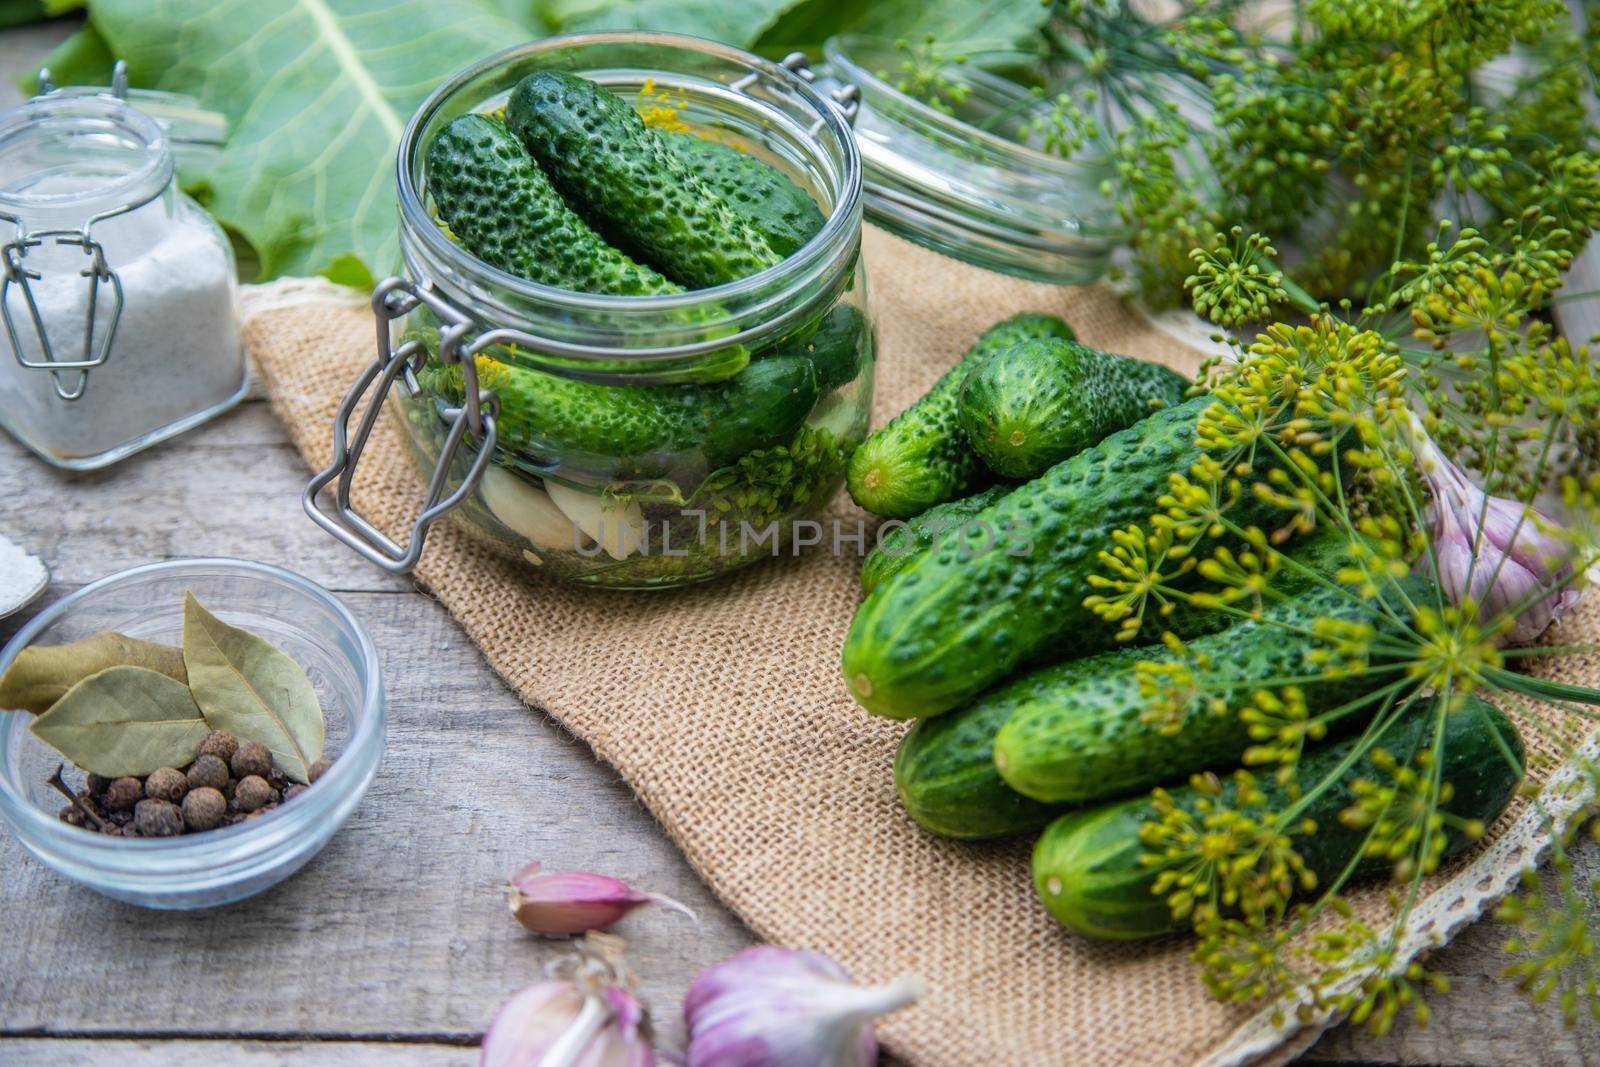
<point x="968" y="182"/>
<point x="195" y="134"/>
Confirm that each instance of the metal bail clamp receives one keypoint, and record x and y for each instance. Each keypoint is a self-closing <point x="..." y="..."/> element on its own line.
<point x="14" y="271"/>
<point x="392" y="299"/>
<point x="844" y="96"/>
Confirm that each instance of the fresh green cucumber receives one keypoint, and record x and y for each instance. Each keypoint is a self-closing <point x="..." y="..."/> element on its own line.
<point x="1090" y="869"/>
<point x="760" y="193"/>
<point x="1089" y="737"/>
<point x="645" y="431"/>
<point x="1028" y="407"/>
<point x="620" y="174"/>
<point x="898" y="547"/>
<point x="503" y="209"/>
<point x="945" y="769"/>
<point x="921" y="458"/>
<point x="952" y="623"/>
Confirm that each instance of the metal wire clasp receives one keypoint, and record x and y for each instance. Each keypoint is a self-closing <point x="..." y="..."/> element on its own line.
<point x="846" y="97"/>
<point x="14" y="271"/>
<point x="96" y="350"/>
<point x="392" y="299"/>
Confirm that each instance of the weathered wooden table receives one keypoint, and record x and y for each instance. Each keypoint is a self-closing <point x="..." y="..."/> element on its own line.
<point x="393" y="947"/>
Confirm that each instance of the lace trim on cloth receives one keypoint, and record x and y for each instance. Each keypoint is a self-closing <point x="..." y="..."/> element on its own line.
<point x="1492" y="873"/>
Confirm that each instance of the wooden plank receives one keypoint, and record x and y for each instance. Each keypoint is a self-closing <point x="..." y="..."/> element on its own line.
<point x="1482" y="1019"/>
<point x="399" y="927"/>
<point x="52" y="1052"/>
<point x="229" y="488"/>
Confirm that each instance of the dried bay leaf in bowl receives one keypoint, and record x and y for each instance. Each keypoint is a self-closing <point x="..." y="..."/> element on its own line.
<point x="245" y="685"/>
<point x="124" y="720"/>
<point x="42" y="674"/>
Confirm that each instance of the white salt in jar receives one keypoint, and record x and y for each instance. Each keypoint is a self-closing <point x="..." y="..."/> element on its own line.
<point x="117" y="317"/>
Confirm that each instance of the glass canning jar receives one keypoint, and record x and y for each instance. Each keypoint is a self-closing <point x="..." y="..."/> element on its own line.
<point x="970" y="182"/>
<point x="653" y="459"/>
<point x="116" y="289"/>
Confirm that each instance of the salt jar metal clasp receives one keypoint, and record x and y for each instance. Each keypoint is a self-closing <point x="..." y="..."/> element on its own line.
<point x="98" y="336"/>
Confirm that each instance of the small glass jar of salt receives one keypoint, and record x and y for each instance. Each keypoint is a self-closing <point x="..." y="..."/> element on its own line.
<point x="116" y="289"/>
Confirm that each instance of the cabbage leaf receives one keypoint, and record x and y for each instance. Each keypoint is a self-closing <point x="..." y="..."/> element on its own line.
<point x="317" y="93"/>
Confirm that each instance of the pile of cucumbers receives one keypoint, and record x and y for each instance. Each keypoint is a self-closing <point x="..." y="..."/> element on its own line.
<point x="1030" y="716"/>
<point x="567" y="186"/>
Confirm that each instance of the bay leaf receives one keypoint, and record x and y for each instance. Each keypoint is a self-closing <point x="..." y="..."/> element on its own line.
<point x="42" y="674"/>
<point x="124" y="720"/>
<point x="244" y="685"/>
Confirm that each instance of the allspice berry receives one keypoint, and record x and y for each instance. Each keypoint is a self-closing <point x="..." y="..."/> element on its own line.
<point x="319" y="768"/>
<point x="208" y="771"/>
<point x="158" y="818"/>
<point x="203" y="808"/>
<point x="252" y="758"/>
<point x="124" y="793"/>
<point x="253" y="793"/>
<point x="167" y="783"/>
<point x="219" y="743"/>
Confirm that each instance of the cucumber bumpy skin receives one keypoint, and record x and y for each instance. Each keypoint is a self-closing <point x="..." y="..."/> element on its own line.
<point x="500" y="205"/>
<point x="945" y="776"/>
<point x="755" y="190"/>
<point x="921" y="458"/>
<point x="899" y="547"/>
<point x="952" y="624"/>
<point x="620" y="174"/>
<point x="1028" y="407"/>
<point x="648" y="431"/>
<point x="1091" y="736"/>
<point x="945" y="771"/>
<point x="1089" y="868"/>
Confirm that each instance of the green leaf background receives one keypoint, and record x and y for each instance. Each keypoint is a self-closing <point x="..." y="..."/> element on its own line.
<point x="318" y="91"/>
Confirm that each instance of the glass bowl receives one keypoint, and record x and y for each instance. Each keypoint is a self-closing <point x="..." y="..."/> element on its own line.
<point x="218" y="866"/>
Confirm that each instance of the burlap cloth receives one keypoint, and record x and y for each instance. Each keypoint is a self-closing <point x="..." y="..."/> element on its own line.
<point x="723" y="707"/>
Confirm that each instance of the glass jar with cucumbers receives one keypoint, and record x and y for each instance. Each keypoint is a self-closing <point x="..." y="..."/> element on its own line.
<point x="629" y="341"/>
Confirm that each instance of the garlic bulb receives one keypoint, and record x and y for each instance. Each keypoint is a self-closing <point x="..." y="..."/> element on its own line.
<point x="1511" y="560"/>
<point x="581" y="1016"/>
<point x="777" y="1007"/>
<point x="562" y="903"/>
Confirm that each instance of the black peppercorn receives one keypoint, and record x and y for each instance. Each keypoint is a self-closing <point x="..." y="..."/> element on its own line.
<point x="253" y="793"/>
<point x="252" y="758"/>
<point x="94" y="783"/>
<point x="219" y="743"/>
<point x="203" y="808"/>
<point x="124" y="793"/>
<point x="208" y="771"/>
<point x="158" y="818"/>
<point x="166" y="783"/>
<point x="293" y="791"/>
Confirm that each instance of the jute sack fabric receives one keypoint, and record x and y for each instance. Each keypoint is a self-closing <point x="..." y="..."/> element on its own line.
<point x="723" y="707"/>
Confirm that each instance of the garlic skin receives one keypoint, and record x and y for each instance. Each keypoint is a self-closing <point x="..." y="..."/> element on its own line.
<point x="1514" y="565"/>
<point x="556" y="1024"/>
<point x="776" y="1007"/>
<point x="567" y="903"/>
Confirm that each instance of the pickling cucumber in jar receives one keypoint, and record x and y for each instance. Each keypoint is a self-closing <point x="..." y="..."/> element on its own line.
<point x="681" y="361"/>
